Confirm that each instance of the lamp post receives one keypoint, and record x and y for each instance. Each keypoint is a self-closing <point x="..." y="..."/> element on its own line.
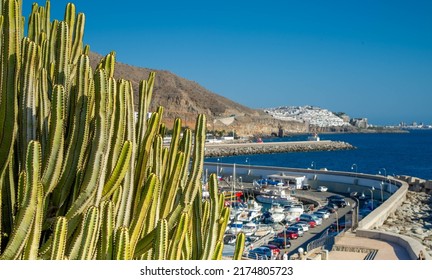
<point x="241" y="181"/>
<point x="382" y="183"/>
<point x="356" y="213"/>
<point x="371" y="191"/>
<point x="217" y="169"/>
<point x="382" y="194"/>
<point x="249" y="169"/>
<point x="352" y="168"/>
<point x="313" y="166"/>
<point x="337" y="222"/>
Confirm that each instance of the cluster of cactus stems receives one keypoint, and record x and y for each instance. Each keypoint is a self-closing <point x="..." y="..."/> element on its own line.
<point x="80" y="177"/>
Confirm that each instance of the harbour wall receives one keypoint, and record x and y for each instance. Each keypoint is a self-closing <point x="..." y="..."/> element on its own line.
<point x="232" y="149"/>
<point x="336" y="181"/>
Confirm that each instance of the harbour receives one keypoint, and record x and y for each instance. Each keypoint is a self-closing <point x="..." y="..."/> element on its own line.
<point x="308" y="200"/>
<point x="281" y="211"/>
<point x="369" y="199"/>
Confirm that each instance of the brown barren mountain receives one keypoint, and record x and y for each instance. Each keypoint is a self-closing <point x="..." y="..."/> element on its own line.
<point x="186" y="99"/>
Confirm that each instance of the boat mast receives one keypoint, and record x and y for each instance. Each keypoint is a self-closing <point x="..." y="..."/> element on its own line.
<point x="233" y="183"/>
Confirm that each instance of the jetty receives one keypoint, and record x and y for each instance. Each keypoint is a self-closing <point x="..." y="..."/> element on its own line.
<point x="234" y="149"/>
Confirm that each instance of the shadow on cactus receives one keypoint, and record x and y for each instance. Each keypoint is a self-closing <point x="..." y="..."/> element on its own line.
<point x="81" y="177"/>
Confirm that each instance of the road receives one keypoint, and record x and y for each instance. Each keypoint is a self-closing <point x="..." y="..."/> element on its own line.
<point x="316" y="232"/>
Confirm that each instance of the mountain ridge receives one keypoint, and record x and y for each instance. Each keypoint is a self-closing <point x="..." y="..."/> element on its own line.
<point x="185" y="99"/>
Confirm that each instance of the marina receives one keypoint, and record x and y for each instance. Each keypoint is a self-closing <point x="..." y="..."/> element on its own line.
<point x="263" y="222"/>
<point x="308" y="217"/>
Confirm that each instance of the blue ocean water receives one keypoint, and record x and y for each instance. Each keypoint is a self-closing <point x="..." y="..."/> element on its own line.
<point x="388" y="153"/>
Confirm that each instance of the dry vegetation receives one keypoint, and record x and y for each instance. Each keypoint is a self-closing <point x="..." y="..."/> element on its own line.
<point x="186" y="99"/>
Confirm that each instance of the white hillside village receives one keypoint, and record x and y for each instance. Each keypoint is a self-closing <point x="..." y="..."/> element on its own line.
<point x="315" y="116"/>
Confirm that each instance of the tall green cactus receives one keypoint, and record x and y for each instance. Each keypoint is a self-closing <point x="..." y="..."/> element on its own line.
<point x="80" y="178"/>
<point x="10" y="63"/>
<point x="240" y="244"/>
<point x="59" y="243"/>
<point x="27" y="209"/>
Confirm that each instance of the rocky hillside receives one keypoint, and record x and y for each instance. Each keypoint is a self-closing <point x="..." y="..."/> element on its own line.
<point x="185" y="99"/>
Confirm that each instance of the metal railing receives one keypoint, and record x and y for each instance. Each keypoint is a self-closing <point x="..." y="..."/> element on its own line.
<point x="326" y="240"/>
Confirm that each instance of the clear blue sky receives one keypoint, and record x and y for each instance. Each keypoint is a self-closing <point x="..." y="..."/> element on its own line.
<point x="368" y="58"/>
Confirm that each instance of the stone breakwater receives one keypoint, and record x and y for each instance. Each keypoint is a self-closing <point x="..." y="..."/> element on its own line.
<point x="234" y="149"/>
<point x="413" y="219"/>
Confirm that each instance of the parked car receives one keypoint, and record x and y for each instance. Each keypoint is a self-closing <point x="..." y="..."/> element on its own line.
<point x="322" y="213"/>
<point x="281" y="243"/>
<point x="260" y="253"/>
<point x="331" y="207"/>
<point x="304" y="225"/>
<point x="342" y="225"/>
<point x="311" y="224"/>
<point x="334" y="196"/>
<point x="306" y="187"/>
<point x="296" y="229"/>
<point x="289" y="234"/>
<point x="322" y="188"/>
<point x="340" y="202"/>
<point x="275" y="249"/>
<point x="317" y="219"/>
<point x="311" y="217"/>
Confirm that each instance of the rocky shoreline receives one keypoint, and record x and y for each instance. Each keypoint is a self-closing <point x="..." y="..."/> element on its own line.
<point x="413" y="219"/>
<point x="234" y="149"/>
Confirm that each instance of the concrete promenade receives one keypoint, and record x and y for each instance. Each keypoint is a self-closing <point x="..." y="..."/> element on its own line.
<point x="385" y="250"/>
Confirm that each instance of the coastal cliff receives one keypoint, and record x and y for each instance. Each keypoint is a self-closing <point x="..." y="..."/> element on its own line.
<point x="219" y="150"/>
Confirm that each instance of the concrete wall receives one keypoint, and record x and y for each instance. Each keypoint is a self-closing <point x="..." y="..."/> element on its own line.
<point x="336" y="181"/>
<point x="380" y="214"/>
<point x="412" y="246"/>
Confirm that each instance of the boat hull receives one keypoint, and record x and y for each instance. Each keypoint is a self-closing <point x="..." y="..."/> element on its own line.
<point x="274" y="199"/>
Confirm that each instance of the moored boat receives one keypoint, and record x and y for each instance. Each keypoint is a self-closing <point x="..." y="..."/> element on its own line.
<point x="282" y="198"/>
<point x="235" y="227"/>
<point x="249" y="228"/>
<point x="294" y="209"/>
<point x="248" y="215"/>
<point x="263" y="230"/>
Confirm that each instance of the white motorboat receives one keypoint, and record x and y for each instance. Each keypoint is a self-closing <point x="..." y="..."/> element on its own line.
<point x="270" y="218"/>
<point x="263" y="230"/>
<point x="235" y="227"/>
<point x="282" y="198"/>
<point x="276" y="208"/>
<point x="253" y="205"/>
<point x="248" y="215"/>
<point x="236" y="208"/>
<point x="249" y="228"/>
<point x="294" y="209"/>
